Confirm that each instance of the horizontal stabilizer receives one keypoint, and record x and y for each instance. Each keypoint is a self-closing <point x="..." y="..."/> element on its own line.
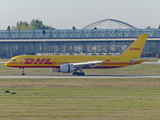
<point x="138" y="60"/>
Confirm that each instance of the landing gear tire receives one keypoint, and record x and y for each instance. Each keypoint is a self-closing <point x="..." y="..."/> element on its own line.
<point x="74" y="73"/>
<point x="79" y="73"/>
<point x="22" y="70"/>
<point x="83" y="74"/>
<point x="23" y="73"/>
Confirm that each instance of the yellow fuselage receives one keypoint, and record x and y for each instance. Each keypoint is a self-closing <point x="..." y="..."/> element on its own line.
<point x="48" y="61"/>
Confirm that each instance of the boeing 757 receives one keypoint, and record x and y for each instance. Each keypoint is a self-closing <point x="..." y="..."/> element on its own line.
<point x="75" y="64"/>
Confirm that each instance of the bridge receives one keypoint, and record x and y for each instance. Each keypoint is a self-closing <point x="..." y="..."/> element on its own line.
<point x="78" y="34"/>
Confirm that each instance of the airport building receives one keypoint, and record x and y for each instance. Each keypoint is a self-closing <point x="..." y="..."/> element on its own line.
<point x="87" y="40"/>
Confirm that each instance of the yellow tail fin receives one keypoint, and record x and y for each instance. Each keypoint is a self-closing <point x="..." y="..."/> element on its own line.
<point x="136" y="48"/>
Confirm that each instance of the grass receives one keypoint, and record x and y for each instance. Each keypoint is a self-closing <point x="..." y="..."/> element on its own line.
<point x="80" y="99"/>
<point x="3" y="60"/>
<point x="153" y="59"/>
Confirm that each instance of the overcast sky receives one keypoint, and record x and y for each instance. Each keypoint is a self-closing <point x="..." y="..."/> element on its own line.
<point x="63" y="14"/>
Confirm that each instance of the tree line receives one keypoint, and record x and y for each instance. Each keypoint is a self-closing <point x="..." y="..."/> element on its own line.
<point x="35" y="24"/>
<point x="149" y="27"/>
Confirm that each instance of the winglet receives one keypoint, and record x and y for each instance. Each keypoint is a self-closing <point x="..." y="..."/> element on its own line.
<point x="110" y="55"/>
<point x="108" y="59"/>
<point x="80" y="53"/>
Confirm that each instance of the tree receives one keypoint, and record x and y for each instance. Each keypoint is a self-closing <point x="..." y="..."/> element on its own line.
<point x="21" y="26"/>
<point x="159" y="27"/>
<point x="149" y="27"/>
<point x="34" y="25"/>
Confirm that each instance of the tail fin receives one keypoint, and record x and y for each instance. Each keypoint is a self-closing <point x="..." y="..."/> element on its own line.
<point x="136" y="48"/>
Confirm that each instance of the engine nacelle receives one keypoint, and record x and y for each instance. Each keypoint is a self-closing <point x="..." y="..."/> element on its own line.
<point x="67" y="68"/>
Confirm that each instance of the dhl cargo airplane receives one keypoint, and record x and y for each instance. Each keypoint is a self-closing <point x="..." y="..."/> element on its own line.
<point x="72" y="64"/>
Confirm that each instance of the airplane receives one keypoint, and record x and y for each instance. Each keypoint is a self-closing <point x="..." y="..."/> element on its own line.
<point x="73" y="64"/>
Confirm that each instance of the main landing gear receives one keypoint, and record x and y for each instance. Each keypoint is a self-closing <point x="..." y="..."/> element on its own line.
<point x="22" y="70"/>
<point x="81" y="73"/>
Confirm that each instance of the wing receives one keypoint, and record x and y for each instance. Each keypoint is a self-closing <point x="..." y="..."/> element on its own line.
<point x="88" y="64"/>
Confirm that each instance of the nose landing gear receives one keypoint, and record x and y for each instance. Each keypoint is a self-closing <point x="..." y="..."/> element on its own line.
<point x="22" y="70"/>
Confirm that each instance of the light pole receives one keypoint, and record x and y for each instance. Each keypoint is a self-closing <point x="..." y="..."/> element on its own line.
<point x="43" y="46"/>
<point x="114" y="46"/>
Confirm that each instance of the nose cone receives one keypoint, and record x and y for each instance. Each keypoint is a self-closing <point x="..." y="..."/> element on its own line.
<point x="7" y="64"/>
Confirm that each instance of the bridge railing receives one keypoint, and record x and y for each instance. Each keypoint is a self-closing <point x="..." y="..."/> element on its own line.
<point x="78" y="34"/>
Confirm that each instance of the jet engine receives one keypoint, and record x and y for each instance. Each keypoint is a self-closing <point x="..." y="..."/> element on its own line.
<point x="67" y="68"/>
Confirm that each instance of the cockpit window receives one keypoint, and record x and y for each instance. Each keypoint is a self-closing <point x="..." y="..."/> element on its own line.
<point x="12" y="60"/>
